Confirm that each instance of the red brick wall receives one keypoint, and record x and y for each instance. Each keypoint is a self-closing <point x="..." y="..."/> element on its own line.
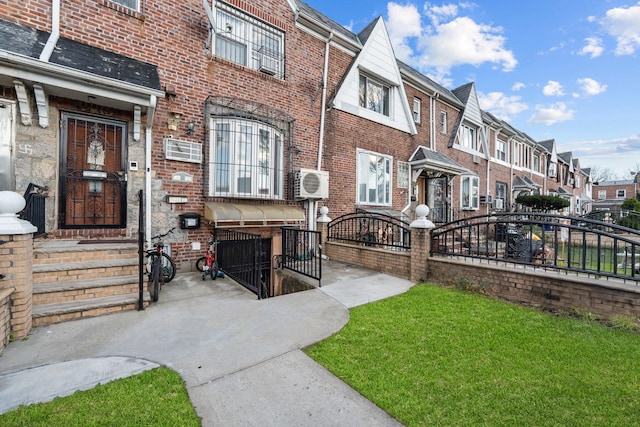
<point x="540" y="289"/>
<point x="383" y="261"/>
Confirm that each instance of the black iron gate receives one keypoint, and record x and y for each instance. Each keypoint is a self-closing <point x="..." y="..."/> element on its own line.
<point x="302" y="252"/>
<point x="246" y="258"/>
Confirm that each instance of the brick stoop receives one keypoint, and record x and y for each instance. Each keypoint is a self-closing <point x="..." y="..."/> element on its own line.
<point x="73" y="281"/>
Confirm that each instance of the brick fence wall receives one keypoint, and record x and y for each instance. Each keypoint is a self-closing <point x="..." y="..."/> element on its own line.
<point x="5" y="316"/>
<point x="547" y="290"/>
<point x="515" y="283"/>
<point x="382" y="260"/>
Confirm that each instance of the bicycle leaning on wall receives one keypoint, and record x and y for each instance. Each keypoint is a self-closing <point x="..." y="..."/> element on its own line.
<point x="160" y="266"/>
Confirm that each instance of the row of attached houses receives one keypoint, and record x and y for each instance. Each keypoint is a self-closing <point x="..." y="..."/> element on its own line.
<point x="246" y="115"/>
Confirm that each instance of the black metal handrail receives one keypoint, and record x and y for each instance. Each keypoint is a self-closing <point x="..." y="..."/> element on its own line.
<point x="371" y="229"/>
<point x="579" y="245"/>
<point x="35" y="208"/>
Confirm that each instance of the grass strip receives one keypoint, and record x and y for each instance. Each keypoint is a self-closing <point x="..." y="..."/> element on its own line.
<point x="436" y="356"/>
<point x="157" y="397"/>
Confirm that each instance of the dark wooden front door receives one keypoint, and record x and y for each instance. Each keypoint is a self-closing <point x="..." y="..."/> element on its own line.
<point x="92" y="173"/>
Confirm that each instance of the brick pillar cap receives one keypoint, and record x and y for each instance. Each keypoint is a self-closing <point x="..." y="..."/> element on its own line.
<point x="422" y="222"/>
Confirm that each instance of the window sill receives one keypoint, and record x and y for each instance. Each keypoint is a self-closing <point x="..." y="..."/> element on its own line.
<point x="122" y="9"/>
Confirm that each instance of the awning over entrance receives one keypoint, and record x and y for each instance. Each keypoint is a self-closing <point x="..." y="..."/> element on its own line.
<point x="224" y="214"/>
<point x="430" y="160"/>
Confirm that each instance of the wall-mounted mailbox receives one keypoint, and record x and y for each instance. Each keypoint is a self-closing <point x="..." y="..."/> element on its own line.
<point x="190" y="220"/>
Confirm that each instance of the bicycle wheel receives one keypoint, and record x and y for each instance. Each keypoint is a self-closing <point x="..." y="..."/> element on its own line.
<point x="168" y="268"/>
<point x="214" y="270"/>
<point x="200" y="263"/>
<point x="156" y="277"/>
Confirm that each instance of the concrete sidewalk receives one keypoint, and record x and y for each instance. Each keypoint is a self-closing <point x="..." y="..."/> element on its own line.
<point x="240" y="358"/>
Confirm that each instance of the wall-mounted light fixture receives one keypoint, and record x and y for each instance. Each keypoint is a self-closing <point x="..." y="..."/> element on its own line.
<point x="191" y="127"/>
<point x="174" y="120"/>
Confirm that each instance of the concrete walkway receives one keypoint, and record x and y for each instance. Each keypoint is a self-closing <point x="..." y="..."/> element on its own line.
<point x="240" y="358"/>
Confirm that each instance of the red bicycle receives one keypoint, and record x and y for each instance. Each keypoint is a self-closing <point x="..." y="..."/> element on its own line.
<point x="208" y="264"/>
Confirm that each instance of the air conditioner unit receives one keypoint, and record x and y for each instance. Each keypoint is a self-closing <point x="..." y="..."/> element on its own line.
<point x="267" y="64"/>
<point x="486" y="200"/>
<point x="476" y="159"/>
<point x="498" y="204"/>
<point x="311" y="184"/>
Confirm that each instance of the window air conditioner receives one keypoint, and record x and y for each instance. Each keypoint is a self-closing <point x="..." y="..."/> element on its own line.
<point x="311" y="184"/>
<point x="267" y="64"/>
<point x="570" y="181"/>
<point x="498" y="204"/>
<point x="486" y="200"/>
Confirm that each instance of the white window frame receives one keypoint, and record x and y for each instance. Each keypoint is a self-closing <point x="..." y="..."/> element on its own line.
<point x="236" y="157"/>
<point x="536" y="163"/>
<point x="468" y="137"/>
<point x="369" y="89"/>
<point x="553" y="170"/>
<point x="404" y="171"/>
<point x="443" y="121"/>
<point x="370" y="191"/>
<point x="502" y="150"/>
<point x="602" y="194"/>
<point x="247" y="41"/>
<point x="129" y="4"/>
<point x="470" y="192"/>
<point x="417" y="105"/>
<point x="621" y="193"/>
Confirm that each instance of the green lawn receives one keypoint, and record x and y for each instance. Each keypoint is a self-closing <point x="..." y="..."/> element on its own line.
<point x="437" y="356"/>
<point x="153" y="398"/>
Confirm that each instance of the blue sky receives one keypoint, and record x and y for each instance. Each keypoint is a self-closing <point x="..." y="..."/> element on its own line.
<point x="562" y="69"/>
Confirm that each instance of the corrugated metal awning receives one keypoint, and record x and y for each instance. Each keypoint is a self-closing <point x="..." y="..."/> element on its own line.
<point x="221" y="213"/>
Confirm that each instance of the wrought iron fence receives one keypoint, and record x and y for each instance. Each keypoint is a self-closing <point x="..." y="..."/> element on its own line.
<point x="545" y="241"/>
<point x="374" y="230"/>
<point x="302" y="252"/>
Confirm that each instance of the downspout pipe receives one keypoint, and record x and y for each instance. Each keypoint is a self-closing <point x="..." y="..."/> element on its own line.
<point x="55" y="32"/>
<point x="148" y="141"/>
<point x="313" y="204"/>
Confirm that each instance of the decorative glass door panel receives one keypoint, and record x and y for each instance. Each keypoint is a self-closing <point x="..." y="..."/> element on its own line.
<point x="93" y="174"/>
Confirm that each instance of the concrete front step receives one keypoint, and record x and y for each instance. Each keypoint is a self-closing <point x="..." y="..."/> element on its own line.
<point x="47" y="314"/>
<point x="72" y="280"/>
<point x="58" y="292"/>
<point x="84" y="270"/>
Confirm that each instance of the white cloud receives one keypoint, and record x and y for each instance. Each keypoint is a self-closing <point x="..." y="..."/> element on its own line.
<point x="517" y="86"/>
<point x="552" y="114"/>
<point x="618" y="154"/>
<point x="552" y="88"/>
<point x="502" y="106"/>
<point x="593" y="48"/>
<point x="591" y="87"/>
<point x="446" y="40"/>
<point x="403" y="24"/>
<point x="623" y="24"/>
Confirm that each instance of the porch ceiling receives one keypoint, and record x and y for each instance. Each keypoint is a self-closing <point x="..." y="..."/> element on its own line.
<point x="223" y="213"/>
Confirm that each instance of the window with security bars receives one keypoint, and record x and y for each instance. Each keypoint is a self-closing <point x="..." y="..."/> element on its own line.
<point x="131" y="4"/>
<point x="245" y="40"/>
<point x="246" y="159"/>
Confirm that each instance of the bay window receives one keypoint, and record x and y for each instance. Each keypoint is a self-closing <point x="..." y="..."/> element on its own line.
<point x="246" y="159"/>
<point x="374" y="178"/>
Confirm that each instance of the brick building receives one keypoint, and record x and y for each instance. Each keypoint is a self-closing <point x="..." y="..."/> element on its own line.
<point x="227" y="109"/>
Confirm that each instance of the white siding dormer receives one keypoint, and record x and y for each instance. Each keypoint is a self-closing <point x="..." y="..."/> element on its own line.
<point x="377" y="63"/>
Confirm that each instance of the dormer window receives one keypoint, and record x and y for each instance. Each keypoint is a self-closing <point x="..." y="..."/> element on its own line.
<point x="374" y="95"/>
<point x="469" y="137"/>
<point x="553" y="170"/>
